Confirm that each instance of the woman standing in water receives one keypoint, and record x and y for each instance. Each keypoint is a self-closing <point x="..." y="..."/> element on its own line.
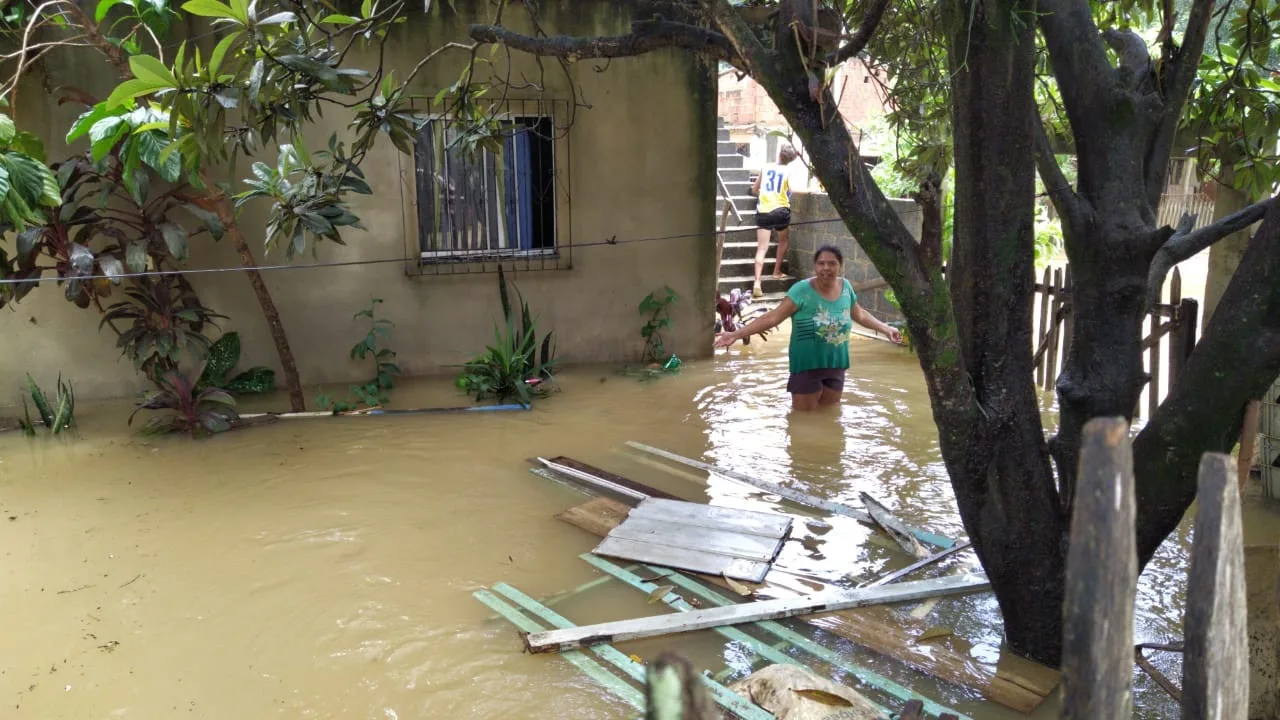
<point x="823" y="310"/>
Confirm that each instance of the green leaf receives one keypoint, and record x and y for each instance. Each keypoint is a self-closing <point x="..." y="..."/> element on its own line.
<point x="7" y="129"/>
<point x="209" y="8"/>
<point x="338" y="19"/>
<point x="151" y="146"/>
<point x="279" y="18"/>
<point x="105" y="134"/>
<point x="30" y="144"/>
<point x="126" y="91"/>
<point x="135" y="256"/>
<point x="146" y="67"/>
<point x="104" y="6"/>
<point x="175" y="238"/>
<point x="86" y="120"/>
<point x="220" y="51"/>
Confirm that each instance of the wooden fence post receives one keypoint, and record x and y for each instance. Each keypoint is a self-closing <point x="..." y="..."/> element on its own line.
<point x="673" y="691"/>
<point x="1102" y="576"/>
<point x="1215" y="669"/>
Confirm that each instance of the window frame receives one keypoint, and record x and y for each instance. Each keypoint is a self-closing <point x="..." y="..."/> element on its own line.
<point x="558" y="256"/>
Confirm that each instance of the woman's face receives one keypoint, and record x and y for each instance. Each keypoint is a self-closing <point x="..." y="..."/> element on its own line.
<point x="826" y="266"/>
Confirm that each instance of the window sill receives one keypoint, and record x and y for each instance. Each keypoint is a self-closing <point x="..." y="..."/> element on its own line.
<point x="448" y="262"/>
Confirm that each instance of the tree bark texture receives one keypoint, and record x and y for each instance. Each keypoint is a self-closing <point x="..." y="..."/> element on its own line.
<point x="1004" y="480"/>
<point x="1235" y="361"/>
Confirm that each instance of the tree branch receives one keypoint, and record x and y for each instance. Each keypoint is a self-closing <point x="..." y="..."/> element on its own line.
<point x="1177" y="75"/>
<point x="646" y="36"/>
<point x="1184" y="245"/>
<point x="1085" y="79"/>
<point x="1061" y="194"/>
<point x="858" y="41"/>
<point x="1234" y="362"/>
<point x="1135" y="61"/>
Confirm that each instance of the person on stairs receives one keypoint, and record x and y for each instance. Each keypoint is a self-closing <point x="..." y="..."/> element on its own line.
<point x="772" y="190"/>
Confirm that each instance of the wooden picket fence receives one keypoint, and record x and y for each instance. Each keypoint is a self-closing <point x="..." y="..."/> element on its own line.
<point x="1171" y="333"/>
<point x="1102" y="577"/>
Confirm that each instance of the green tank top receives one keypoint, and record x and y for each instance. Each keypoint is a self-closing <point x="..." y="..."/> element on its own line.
<point x="820" y="328"/>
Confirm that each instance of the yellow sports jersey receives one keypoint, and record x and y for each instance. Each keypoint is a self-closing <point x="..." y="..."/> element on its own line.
<point x="775" y="188"/>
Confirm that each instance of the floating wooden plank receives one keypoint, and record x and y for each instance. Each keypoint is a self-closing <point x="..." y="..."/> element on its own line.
<point x="895" y="528"/>
<point x="591" y="668"/>
<point x="683" y="558"/>
<point x="1215" y="669"/>
<point x="747" y="522"/>
<point x="698" y="537"/>
<point x="792" y="495"/>
<point x="1102" y="577"/>
<point x="596" y="472"/>
<point x="638" y="628"/>
<point x="898" y="574"/>
<point x="709" y="540"/>
<point x="786" y="635"/>
<point x="1015" y="682"/>
<point x="724" y="697"/>
<point x="596" y="482"/>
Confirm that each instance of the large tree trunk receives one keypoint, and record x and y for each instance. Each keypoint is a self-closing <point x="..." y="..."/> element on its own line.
<point x="977" y="358"/>
<point x="1004" y="480"/>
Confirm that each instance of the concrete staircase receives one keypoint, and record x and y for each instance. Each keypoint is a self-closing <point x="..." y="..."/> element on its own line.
<point x="737" y="265"/>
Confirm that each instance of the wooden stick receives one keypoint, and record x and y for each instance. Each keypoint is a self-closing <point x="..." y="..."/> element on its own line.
<point x="594" y="481"/>
<point x="917" y="565"/>
<point x="893" y="527"/>
<point x="1215" y="668"/>
<point x="656" y="626"/>
<point x="1102" y="577"/>
<point x="1154" y="673"/>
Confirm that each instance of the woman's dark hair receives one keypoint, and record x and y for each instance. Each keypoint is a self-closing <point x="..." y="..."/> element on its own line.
<point x="829" y="249"/>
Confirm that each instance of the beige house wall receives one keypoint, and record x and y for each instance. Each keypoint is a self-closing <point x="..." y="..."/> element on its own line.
<point x="638" y="162"/>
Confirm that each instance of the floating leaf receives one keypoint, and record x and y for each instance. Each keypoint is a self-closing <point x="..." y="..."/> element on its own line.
<point x="737" y="587"/>
<point x="822" y="696"/>
<point x="935" y="632"/>
<point x="660" y="592"/>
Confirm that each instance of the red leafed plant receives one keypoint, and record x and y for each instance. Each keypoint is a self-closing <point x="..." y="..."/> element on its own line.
<point x="210" y="410"/>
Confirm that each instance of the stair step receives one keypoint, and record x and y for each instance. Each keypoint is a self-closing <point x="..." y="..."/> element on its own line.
<point x="727" y="265"/>
<point x="768" y="283"/>
<point x="733" y="175"/>
<point x="729" y="161"/>
<point x="746" y="251"/>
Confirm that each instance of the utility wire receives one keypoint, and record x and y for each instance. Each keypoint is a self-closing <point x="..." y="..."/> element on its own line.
<point x="381" y="261"/>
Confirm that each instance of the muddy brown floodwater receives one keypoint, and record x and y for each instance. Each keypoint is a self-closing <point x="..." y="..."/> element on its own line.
<point x="324" y="568"/>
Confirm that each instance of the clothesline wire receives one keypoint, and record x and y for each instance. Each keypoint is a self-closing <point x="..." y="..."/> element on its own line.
<point x="462" y="257"/>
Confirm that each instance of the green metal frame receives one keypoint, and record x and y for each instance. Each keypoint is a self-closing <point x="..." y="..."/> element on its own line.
<point x="787" y="636"/>
<point x="591" y="668"/>
<point x="723" y="696"/>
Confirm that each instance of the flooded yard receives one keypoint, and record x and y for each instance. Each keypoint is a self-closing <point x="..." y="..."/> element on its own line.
<point x="324" y="568"/>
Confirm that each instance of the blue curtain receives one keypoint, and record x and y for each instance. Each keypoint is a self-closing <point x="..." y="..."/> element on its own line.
<point x="519" y="190"/>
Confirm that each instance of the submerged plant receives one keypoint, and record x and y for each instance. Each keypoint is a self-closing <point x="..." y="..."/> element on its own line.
<point x="223" y="356"/>
<point x="657" y="312"/>
<point x="192" y="411"/>
<point x="517" y="364"/>
<point x="376" y="392"/>
<point x="55" y="418"/>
